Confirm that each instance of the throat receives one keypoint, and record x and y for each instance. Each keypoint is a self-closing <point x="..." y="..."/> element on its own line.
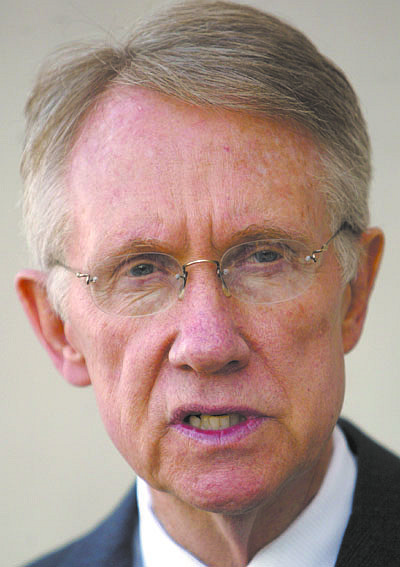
<point x="214" y="539"/>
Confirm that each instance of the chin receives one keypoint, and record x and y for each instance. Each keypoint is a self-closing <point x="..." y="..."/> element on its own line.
<point x="229" y="492"/>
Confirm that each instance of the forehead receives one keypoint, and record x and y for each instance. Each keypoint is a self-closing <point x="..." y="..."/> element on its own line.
<point x="148" y="166"/>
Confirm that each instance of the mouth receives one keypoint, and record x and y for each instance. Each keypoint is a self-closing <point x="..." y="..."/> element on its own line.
<point x="213" y="422"/>
<point x="220" y="425"/>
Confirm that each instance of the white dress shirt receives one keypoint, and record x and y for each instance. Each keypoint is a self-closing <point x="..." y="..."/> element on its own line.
<point x="312" y="540"/>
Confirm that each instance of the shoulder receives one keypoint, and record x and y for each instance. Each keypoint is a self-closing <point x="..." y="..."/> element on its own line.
<point x="377" y="466"/>
<point x="108" y="545"/>
<point x="372" y="536"/>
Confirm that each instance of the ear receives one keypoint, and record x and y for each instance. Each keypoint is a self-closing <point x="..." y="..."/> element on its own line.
<point x="50" y="328"/>
<point x="359" y="289"/>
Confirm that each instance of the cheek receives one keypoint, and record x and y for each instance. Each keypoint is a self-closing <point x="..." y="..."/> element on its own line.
<point x="301" y="344"/>
<point x="297" y="329"/>
<point x="123" y="365"/>
<point x="303" y="349"/>
<point x="105" y="349"/>
<point x="104" y="360"/>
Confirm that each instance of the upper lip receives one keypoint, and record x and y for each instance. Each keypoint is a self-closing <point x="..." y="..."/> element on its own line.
<point x="182" y="412"/>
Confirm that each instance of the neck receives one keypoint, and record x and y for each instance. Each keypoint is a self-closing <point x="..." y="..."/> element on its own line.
<point x="232" y="540"/>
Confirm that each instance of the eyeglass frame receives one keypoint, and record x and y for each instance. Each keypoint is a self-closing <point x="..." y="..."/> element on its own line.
<point x="313" y="257"/>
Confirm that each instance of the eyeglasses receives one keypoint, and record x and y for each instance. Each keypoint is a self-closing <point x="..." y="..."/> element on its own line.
<point x="260" y="272"/>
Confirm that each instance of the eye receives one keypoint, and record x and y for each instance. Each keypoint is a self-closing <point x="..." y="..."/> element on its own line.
<point x="141" y="270"/>
<point x="142" y="266"/>
<point x="145" y="269"/>
<point x="261" y="256"/>
<point x="267" y="256"/>
<point x="264" y="253"/>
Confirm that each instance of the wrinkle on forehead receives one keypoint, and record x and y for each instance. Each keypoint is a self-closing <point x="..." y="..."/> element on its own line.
<point x="137" y="143"/>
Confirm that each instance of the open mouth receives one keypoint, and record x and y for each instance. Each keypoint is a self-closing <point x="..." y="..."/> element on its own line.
<point x="217" y="425"/>
<point x="209" y="422"/>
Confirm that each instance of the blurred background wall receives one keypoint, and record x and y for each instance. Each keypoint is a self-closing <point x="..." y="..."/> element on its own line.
<point x="59" y="472"/>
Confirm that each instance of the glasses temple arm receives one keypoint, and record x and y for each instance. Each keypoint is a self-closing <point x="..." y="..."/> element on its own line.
<point x="344" y="226"/>
<point x="88" y="278"/>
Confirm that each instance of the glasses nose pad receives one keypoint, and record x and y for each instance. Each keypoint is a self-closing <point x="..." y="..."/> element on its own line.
<point x="220" y="274"/>
<point x="226" y="291"/>
<point x="182" y="277"/>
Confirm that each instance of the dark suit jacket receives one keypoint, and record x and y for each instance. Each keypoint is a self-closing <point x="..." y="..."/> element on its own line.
<point x="372" y="537"/>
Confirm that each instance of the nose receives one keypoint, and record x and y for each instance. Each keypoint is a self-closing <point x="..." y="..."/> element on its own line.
<point x="208" y="340"/>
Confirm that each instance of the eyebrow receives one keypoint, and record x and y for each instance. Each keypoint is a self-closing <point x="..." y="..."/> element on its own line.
<point x="267" y="231"/>
<point x="263" y="231"/>
<point x="133" y="246"/>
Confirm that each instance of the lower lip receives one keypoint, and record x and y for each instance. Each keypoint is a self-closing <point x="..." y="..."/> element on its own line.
<point x="221" y="436"/>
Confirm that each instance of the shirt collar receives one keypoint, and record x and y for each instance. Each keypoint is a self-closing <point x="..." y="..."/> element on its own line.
<point x="312" y="540"/>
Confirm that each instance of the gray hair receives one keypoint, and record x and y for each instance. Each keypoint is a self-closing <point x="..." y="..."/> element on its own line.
<point x="212" y="54"/>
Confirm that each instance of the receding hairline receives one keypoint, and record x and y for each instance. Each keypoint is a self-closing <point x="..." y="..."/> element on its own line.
<point x="140" y="95"/>
<point x="208" y="53"/>
<point x="280" y="138"/>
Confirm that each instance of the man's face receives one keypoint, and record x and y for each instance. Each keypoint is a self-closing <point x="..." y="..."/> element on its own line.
<point x="197" y="182"/>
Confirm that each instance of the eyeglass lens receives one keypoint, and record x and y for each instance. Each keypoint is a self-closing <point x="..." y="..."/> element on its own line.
<point x="267" y="271"/>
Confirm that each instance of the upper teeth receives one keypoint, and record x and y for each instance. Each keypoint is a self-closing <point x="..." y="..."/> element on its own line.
<point x="204" y="421"/>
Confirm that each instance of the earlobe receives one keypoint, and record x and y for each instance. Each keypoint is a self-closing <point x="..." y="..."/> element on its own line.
<point x="359" y="289"/>
<point x="50" y="328"/>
